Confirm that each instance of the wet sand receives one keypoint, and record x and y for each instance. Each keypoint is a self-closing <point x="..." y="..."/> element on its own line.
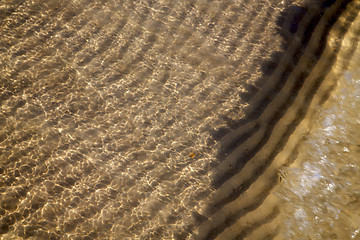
<point x="157" y="119"/>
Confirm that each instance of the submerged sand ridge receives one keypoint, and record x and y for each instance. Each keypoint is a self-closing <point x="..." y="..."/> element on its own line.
<point x="245" y="199"/>
<point x="320" y="188"/>
<point x="134" y="119"/>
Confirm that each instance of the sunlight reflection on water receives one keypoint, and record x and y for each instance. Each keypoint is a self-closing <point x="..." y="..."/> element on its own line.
<point x="322" y="195"/>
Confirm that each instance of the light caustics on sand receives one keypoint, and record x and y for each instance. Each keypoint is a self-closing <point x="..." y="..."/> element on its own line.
<point x="321" y="191"/>
<point x="248" y="206"/>
<point x="168" y="119"/>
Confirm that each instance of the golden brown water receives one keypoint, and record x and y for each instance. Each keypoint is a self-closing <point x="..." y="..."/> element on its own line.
<point x="321" y="190"/>
<point x="165" y="119"/>
<point x="108" y="109"/>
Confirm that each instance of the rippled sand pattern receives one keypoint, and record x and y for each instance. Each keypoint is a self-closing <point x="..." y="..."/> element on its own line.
<point x="322" y="191"/>
<point x="112" y="112"/>
<point x="107" y="109"/>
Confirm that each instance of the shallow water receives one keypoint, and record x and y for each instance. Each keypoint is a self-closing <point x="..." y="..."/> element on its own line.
<point x="113" y="114"/>
<point x="108" y="109"/>
<point x="321" y="190"/>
